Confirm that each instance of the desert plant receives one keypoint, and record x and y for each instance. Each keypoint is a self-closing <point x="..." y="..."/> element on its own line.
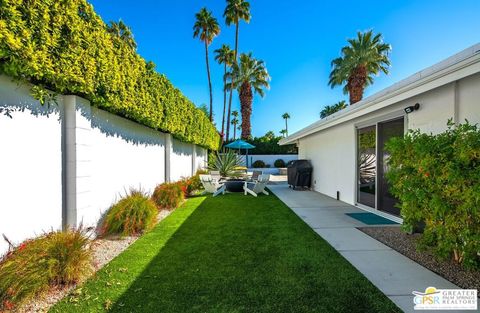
<point x="134" y="213"/>
<point x="226" y="163"/>
<point x="53" y="258"/>
<point x="258" y="164"/>
<point x="168" y="195"/>
<point x="437" y="181"/>
<point x="279" y="163"/>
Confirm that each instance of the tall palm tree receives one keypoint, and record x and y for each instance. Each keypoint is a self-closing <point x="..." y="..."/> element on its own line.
<point x="249" y="76"/>
<point x="235" y="11"/>
<point x="224" y="56"/>
<point x="364" y="57"/>
<point x="234" y="122"/>
<point x="206" y="28"/>
<point x="286" y="116"/>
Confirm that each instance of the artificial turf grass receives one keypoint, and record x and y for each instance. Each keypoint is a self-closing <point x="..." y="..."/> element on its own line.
<point x="231" y="253"/>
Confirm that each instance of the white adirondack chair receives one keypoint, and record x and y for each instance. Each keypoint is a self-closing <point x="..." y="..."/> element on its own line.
<point x="215" y="175"/>
<point x="258" y="187"/>
<point x="212" y="186"/>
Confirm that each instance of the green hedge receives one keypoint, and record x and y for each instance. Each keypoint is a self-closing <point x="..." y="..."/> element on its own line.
<point x="63" y="45"/>
<point x="437" y="180"/>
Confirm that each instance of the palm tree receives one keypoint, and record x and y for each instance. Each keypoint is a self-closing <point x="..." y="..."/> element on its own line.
<point x="234" y="122"/>
<point x="235" y="11"/>
<point x="330" y="109"/>
<point x="249" y="74"/>
<point x="364" y="57"/>
<point x="286" y="116"/>
<point x="284" y="132"/>
<point x="224" y="56"/>
<point x="206" y="27"/>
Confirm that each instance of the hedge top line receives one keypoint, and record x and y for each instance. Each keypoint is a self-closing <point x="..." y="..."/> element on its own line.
<point x="64" y="46"/>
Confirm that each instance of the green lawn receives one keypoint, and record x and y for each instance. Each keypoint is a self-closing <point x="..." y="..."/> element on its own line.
<point x="230" y="253"/>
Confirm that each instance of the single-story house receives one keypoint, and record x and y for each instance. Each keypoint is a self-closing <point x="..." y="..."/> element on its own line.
<point x="346" y="149"/>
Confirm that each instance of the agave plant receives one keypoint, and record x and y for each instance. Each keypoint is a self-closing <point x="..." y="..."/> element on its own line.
<point x="226" y="163"/>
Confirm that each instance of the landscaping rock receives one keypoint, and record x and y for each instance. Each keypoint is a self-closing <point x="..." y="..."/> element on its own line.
<point x="406" y="244"/>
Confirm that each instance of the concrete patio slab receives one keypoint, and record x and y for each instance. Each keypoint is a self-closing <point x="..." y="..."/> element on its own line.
<point x="327" y="217"/>
<point x="391" y="272"/>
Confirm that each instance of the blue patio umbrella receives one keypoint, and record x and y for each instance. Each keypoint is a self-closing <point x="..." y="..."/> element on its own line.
<point x="240" y="144"/>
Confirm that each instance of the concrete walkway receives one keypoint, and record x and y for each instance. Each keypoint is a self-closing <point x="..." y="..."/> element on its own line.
<point x="394" y="274"/>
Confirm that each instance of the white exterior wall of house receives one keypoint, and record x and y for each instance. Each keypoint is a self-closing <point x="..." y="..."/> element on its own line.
<point x="69" y="167"/>
<point x="331" y="144"/>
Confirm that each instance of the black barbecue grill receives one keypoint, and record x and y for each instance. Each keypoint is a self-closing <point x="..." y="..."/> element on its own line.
<point x="299" y="173"/>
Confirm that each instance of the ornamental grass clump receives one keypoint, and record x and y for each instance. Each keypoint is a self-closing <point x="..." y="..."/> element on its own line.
<point x="437" y="181"/>
<point x="193" y="184"/>
<point x="168" y="196"/>
<point x="133" y="214"/>
<point x="51" y="259"/>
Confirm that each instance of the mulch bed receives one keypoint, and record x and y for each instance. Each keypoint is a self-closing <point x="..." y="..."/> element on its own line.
<point x="406" y="244"/>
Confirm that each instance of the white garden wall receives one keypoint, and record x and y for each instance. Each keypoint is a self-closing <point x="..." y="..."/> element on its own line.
<point x="269" y="158"/>
<point x="30" y="165"/>
<point x="67" y="164"/>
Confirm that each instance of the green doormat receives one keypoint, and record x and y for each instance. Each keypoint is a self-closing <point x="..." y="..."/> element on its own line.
<point x="371" y="219"/>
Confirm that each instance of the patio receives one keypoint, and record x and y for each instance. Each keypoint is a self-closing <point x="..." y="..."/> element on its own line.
<point x="394" y="274"/>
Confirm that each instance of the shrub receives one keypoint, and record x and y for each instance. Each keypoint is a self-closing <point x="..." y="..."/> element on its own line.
<point x="53" y="258"/>
<point x="66" y="47"/>
<point x="279" y="163"/>
<point x="168" y="196"/>
<point x="437" y="180"/>
<point x="194" y="183"/>
<point x="133" y="214"/>
<point x="258" y="164"/>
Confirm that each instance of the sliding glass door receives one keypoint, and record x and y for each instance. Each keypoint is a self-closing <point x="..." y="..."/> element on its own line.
<point x="367" y="163"/>
<point x="386" y="130"/>
<point x="372" y="165"/>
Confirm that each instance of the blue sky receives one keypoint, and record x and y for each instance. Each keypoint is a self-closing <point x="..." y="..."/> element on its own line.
<point x="297" y="41"/>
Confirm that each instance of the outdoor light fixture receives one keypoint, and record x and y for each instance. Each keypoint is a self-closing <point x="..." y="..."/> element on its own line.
<point x="412" y="108"/>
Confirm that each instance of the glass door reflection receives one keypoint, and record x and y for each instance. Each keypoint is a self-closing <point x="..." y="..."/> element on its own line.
<point x="367" y="166"/>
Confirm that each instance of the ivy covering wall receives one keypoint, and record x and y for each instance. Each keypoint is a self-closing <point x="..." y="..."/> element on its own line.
<point x="64" y="46"/>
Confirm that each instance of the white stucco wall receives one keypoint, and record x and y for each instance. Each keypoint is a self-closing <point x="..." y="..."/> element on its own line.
<point x="270" y="158"/>
<point x="469" y="99"/>
<point x="332" y="151"/>
<point x="180" y="160"/>
<point x="201" y="158"/>
<point x="68" y="164"/>
<point x="30" y="165"/>
<point x="114" y="155"/>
